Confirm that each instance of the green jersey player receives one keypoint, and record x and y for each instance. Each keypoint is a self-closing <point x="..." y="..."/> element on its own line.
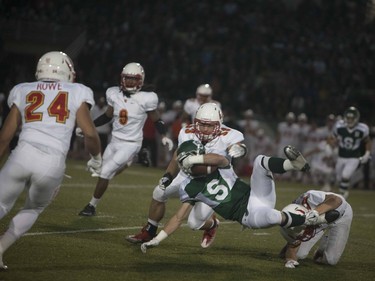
<point x="352" y="136"/>
<point x="252" y="205"/>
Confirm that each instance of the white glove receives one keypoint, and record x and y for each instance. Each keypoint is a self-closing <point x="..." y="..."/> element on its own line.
<point x="165" y="181"/>
<point x="364" y="159"/>
<point x="191" y="160"/>
<point x="167" y="142"/>
<point x="150" y="244"/>
<point x="79" y="132"/>
<point x="94" y="165"/>
<point x="237" y="150"/>
<point x="312" y="217"/>
<point x="291" y="264"/>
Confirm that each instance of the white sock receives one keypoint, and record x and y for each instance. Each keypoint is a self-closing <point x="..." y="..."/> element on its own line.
<point x="287" y="165"/>
<point x="94" y="201"/>
<point x="154" y="223"/>
<point x="6" y="241"/>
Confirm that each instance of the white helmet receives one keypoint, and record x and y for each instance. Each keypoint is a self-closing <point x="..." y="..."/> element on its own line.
<point x="290" y="117"/>
<point x="204" y="89"/>
<point x="297" y="233"/>
<point x="208" y="114"/>
<point x="132" y="77"/>
<point x="55" y="66"/>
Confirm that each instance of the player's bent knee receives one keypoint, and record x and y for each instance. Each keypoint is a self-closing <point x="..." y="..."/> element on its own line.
<point x="195" y="224"/>
<point x="159" y="195"/>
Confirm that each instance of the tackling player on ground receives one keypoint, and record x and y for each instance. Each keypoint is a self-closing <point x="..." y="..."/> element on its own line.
<point x="332" y="232"/>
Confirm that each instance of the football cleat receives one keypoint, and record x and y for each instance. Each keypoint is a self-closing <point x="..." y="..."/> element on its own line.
<point x="298" y="161"/>
<point x="3" y="267"/>
<point x="209" y="235"/>
<point x="141" y="237"/>
<point x="145" y="157"/>
<point x="88" y="211"/>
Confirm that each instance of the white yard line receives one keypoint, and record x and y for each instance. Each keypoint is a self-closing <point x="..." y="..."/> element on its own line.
<point x="139" y="227"/>
<point x="112" y="185"/>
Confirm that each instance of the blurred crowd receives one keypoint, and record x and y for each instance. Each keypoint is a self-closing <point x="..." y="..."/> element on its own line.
<point x="263" y="58"/>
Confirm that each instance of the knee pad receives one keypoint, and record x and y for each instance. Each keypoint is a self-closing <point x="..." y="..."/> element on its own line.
<point x="194" y="223"/>
<point x="159" y="194"/>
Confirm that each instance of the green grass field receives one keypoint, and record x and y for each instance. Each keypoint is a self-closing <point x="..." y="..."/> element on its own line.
<point x="65" y="246"/>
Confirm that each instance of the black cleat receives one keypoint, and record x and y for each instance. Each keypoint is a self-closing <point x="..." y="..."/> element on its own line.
<point x="88" y="211"/>
<point x="145" y="157"/>
<point x="298" y="161"/>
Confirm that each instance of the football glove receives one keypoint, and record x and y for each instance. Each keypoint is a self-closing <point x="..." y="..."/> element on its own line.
<point x="313" y="218"/>
<point x="189" y="161"/>
<point x="150" y="244"/>
<point x="79" y="132"/>
<point x="291" y="264"/>
<point x="167" y="142"/>
<point x="237" y="150"/>
<point x="94" y="165"/>
<point x="165" y="181"/>
<point x="364" y="159"/>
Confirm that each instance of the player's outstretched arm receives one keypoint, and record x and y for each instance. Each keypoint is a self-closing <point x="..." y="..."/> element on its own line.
<point x="172" y="225"/>
<point x="206" y="159"/>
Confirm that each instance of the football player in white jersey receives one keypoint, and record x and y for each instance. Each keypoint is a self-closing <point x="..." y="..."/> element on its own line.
<point x="333" y="234"/>
<point x="47" y="110"/>
<point x="351" y="136"/>
<point x="250" y="204"/>
<point x="208" y="130"/>
<point x="128" y="109"/>
<point x="203" y="95"/>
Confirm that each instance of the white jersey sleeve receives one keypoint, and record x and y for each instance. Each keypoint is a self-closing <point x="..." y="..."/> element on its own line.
<point x="316" y="197"/>
<point x="48" y="111"/>
<point x="130" y="113"/>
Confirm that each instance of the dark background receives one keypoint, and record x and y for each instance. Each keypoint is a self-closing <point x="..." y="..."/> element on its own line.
<point x="272" y="56"/>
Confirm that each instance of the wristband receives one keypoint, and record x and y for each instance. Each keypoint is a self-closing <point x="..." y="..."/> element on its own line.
<point x="196" y="159"/>
<point x="161" y="236"/>
<point x="96" y="157"/>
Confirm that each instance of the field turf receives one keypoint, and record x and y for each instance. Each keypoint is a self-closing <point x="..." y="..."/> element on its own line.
<point x="64" y="246"/>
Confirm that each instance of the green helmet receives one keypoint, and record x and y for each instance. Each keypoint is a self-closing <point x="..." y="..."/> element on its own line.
<point x="351" y="116"/>
<point x="190" y="147"/>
